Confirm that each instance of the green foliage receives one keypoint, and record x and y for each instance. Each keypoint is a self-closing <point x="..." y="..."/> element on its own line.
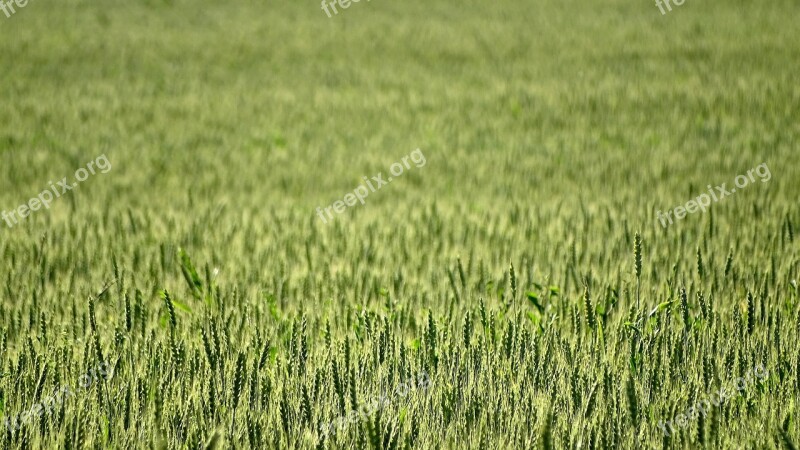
<point x="231" y="316"/>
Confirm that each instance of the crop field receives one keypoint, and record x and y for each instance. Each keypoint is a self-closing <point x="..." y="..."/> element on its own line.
<point x="549" y="224"/>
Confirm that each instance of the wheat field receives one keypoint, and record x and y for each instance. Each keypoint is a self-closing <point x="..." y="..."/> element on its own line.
<point x="168" y="280"/>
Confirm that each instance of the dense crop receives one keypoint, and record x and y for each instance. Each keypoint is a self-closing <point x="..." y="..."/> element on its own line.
<point x="515" y="292"/>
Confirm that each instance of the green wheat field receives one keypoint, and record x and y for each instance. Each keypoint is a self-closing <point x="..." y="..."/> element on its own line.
<point x="515" y="291"/>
